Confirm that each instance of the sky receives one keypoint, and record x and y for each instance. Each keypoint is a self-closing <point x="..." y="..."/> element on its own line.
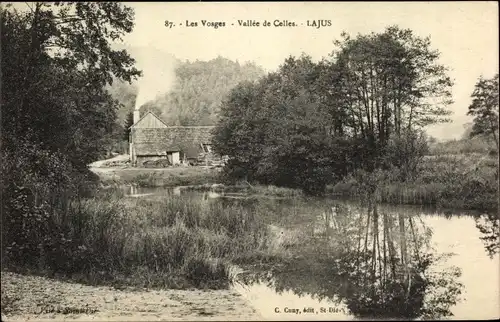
<point x="466" y="34"/>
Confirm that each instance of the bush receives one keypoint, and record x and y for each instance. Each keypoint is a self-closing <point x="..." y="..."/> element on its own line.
<point x="464" y="146"/>
<point x="450" y="181"/>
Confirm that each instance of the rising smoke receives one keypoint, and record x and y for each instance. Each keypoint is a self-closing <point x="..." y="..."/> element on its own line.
<point x="158" y="70"/>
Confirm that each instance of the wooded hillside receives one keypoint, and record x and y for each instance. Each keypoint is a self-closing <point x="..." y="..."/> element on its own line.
<point x="198" y="90"/>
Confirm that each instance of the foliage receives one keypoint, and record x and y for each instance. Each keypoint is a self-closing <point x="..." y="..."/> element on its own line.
<point x="275" y="129"/>
<point x="406" y="153"/>
<point x="489" y="226"/>
<point x="310" y="123"/>
<point x="475" y="145"/>
<point x="128" y="123"/>
<point x="484" y="108"/>
<point x="198" y="90"/>
<point x="56" y="112"/>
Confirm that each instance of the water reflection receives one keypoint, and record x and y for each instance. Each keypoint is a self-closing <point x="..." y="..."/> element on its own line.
<point x="374" y="263"/>
<point x="488" y="225"/>
<point x="136" y="191"/>
<point x="369" y="261"/>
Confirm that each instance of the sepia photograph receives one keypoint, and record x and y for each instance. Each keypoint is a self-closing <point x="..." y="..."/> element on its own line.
<point x="224" y="161"/>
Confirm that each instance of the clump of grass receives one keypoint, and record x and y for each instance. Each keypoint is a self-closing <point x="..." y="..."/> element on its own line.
<point x="149" y="243"/>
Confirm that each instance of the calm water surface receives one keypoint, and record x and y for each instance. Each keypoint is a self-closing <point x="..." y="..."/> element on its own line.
<point x="350" y="261"/>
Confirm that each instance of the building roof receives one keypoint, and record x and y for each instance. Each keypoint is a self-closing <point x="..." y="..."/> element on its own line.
<point x="149" y="120"/>
<point x="159" y="141"/>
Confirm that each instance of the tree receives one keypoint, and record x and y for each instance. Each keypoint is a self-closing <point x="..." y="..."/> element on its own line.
<point x="391" y="84"/>
<point x="275" y="131"/>
<point x="128" y="123"/>
<point x="484" y="108"/>
<point x="310" y="123"/>
<point x="56" y="62"/>
<point x="57" y="115"/>
<point x="198" y="90"/>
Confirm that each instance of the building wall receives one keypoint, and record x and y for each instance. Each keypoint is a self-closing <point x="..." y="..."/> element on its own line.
<point x="157" y="141"/>
<point x="158" y="161"/>
<point x="152" y="141"/>
<point x="174" y="158"/>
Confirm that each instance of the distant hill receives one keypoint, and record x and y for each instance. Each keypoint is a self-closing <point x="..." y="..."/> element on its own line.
<point x="199" y="89"/>
<point x="181" y="93"/>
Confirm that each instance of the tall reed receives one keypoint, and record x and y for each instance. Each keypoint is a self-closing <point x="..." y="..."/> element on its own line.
<point x="172" y="242"/>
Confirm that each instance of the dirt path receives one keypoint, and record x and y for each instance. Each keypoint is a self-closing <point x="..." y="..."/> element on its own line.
<point x="117" y="158"/>
<point x="37" y="298"/>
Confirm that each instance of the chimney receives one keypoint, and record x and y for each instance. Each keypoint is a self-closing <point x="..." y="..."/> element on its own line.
<point x="137" y="115"/>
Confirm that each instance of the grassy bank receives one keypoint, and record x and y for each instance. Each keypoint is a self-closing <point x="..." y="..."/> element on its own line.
<point x="175" y="176"/>
<point x="463" y="181"/>
<point x="172" y="243"/>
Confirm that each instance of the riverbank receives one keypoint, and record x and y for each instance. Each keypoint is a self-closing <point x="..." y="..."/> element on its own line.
<point x="116" y="172"/>
<point x="27" y="297"/>
<point x="451" y="176"/>
<point x="175" y="243"/>
<point x="140" y="259"/>
<point x="459" y="181"/>
<point x="475" y="190"/>
<point x="307" y="253"/>
<point x="164" y="177"/>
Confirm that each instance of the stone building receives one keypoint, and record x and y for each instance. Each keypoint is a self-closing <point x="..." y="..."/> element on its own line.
<point x="152" y="142"/>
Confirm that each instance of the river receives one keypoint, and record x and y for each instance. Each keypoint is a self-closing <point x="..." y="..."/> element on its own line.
<point x="349" y="261"/>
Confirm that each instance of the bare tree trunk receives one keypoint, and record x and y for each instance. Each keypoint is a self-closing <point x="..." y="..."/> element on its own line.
<point x="374" y="254"/>
<point x="402" y="237"/>
<point x="415" y="241"/>
<point x="378" y="244"/>
<point x="367" y="228"/>
<point x="392" y="252"/>
<point x="384" y="241"/>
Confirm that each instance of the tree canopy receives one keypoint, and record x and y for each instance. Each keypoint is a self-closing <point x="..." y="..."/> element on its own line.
<point x="484" y="108"/>
<point x="364" y="107"/>
<point x="57" y="114"/>
<point x="56" y="62"/>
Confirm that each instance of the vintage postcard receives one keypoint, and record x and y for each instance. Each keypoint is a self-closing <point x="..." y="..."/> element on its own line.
<point x="249" y="161"/>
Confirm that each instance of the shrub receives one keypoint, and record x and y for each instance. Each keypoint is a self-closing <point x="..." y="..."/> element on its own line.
<point x="451" y="181"/>
<point x="463" y="146"/>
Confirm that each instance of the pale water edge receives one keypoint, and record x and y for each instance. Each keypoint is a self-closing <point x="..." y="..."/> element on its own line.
<point x="457" y="233"/>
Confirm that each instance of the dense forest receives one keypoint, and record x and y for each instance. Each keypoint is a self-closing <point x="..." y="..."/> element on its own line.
<point x="199" y="89"/>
